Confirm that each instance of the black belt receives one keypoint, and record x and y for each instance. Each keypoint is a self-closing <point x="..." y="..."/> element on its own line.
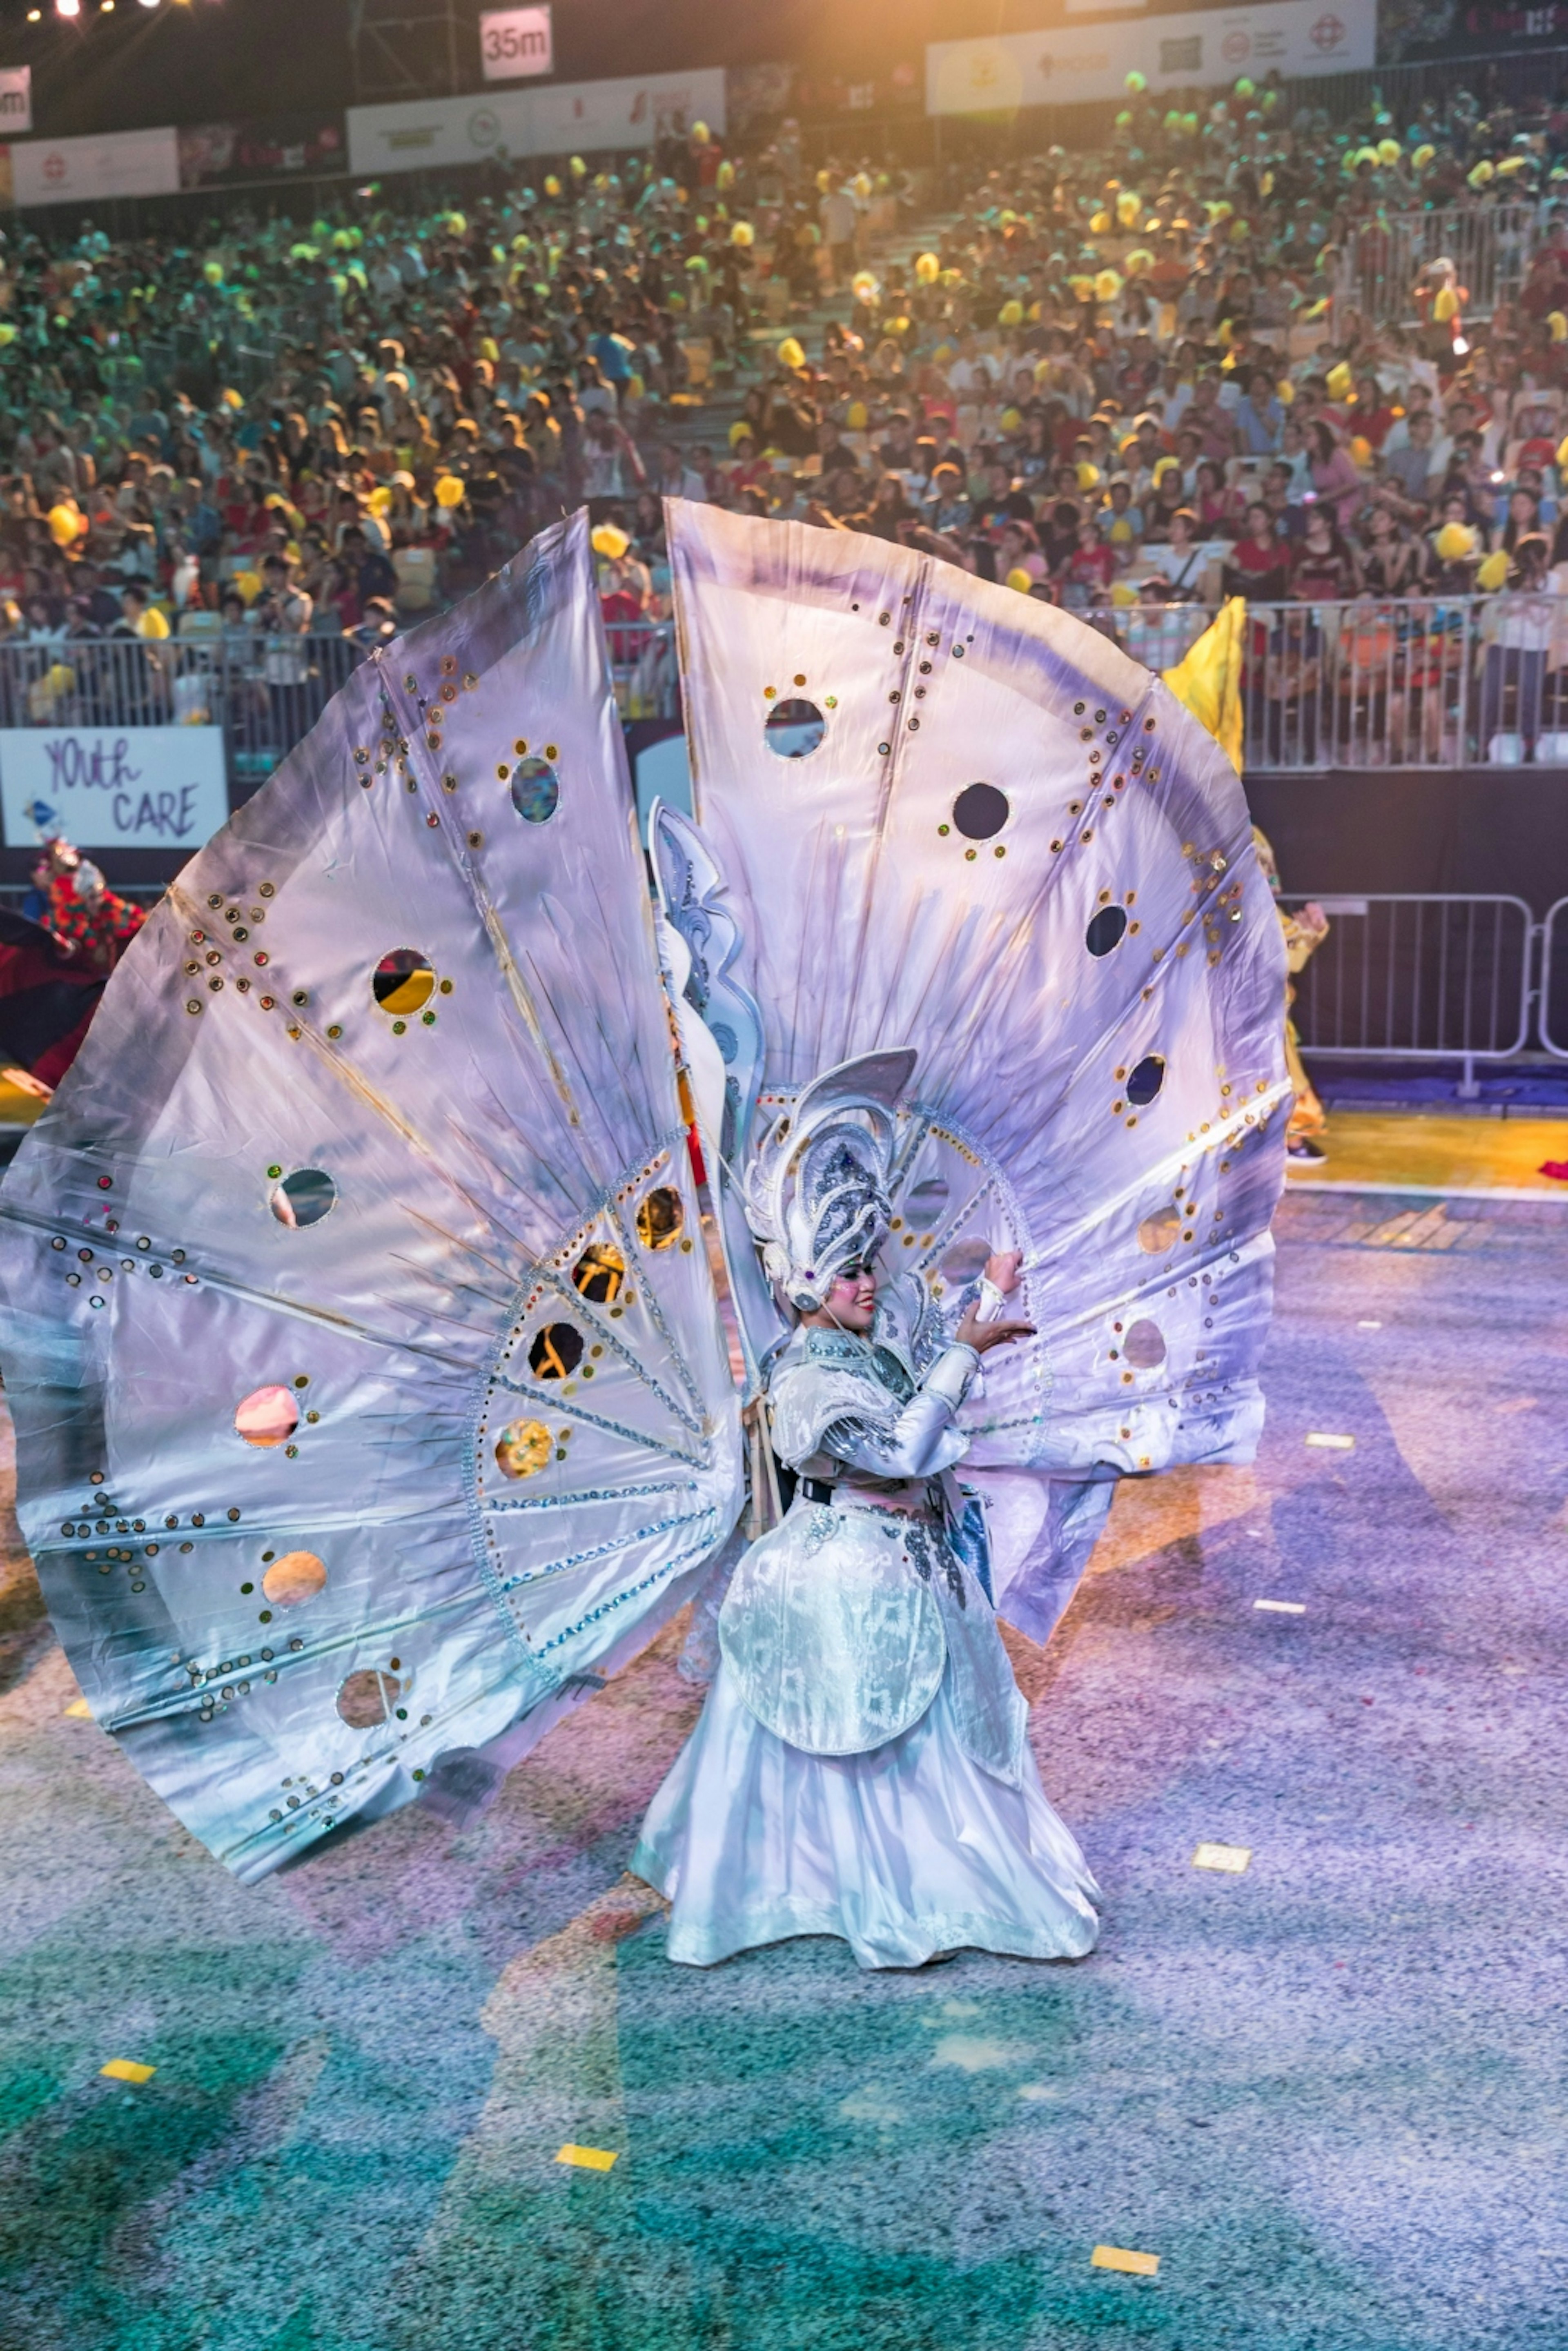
<point x="815" y="1490"/>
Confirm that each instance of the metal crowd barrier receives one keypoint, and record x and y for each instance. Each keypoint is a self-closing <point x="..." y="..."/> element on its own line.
<point x="1490" y="245"/>
<point x="1553" y="1020"/>
<point x="1399" y="978"/>
<point x="1403" y="682"/>
<point x="1440" y="977"/>
<point x="265" y="692"/>
<point x="643" y="668"/>
<point x="1434" y="681"/>
<point x="1361" y="684"/>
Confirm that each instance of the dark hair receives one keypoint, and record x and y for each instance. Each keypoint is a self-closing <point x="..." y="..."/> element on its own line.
<point x="1513" y="538"/>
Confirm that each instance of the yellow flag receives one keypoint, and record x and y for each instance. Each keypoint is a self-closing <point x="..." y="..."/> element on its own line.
<point x="1208" y="682"/>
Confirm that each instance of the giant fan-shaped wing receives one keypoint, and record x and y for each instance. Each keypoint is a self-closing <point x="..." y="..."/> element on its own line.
<point x="368" y="1377"/>
<point x="953" y="819"/>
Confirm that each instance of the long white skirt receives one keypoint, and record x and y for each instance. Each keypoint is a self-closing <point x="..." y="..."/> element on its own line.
<point x="904" y="1851"/>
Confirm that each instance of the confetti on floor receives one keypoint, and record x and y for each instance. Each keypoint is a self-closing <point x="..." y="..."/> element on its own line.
<point x="1369" y="1326"/>
<point x="588" y="2159"/>
<point x="78" y="1706"/>
<point x="1283" y="1608"/>
<point x="1116" y="2257"/>
<point x="126" y="2069"/>
<point x="1331" y="1444"/>
<point x="1232" y="1858"/>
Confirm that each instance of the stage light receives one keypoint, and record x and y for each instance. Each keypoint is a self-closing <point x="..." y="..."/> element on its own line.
<point x="67" y="8"/>
<point x="34" y="15"/>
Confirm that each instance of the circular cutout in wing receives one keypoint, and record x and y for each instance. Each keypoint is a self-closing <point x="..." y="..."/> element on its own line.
<point x="366" y="1698"/>
<point x="298" y="1575"/>
<point x="600" y="1273"/>
<point x="523" y="1448"/>
<point x="556" y="1352"/>
<point x="965" y="1261"/>
<point x="1145" y="1347"/>
<point x="1146" y="1079"/>
<point x="536" y="789"/>
<point x="794" y="729"/>
<point x="404" y="980"/>
<point x="267" y="1416"/>
<point x="660" y="1217"/>
<point x="304" y="1198"/>
<point x="980" y="811"/>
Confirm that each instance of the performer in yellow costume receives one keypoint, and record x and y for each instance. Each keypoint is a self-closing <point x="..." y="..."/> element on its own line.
<point x="1305" y="932"/>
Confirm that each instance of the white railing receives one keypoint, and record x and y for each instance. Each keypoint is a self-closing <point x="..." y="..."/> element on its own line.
<point x="1490" y="245"/>
<point x="643" y="668"/>
<point x="1419" y="978"/>
<point x="265" y="692"/>
<point x="1404" y="681"/>
<point x="1435" y="682"/>
<point x="1553" y="1023"/>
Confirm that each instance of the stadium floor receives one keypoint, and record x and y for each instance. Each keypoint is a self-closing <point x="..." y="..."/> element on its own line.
<point x="1323" y="2092"/>
<point x="1429" y="1150"/>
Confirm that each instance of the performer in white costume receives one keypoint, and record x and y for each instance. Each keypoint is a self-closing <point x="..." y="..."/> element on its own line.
<point x="385" y="1377"/>
<point x="862" y="1767"/>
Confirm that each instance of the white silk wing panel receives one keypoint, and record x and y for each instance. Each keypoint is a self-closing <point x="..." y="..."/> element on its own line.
<point x="364" y="1354"/>
<point x="993" y="837"/>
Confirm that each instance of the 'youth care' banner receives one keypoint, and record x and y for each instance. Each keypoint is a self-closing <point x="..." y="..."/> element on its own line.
<point x="1068" y="63"/>
<point x="562" y="117"/>
<point x="113" y="786"/>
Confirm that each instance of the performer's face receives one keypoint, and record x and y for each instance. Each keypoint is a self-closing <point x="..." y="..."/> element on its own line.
<point x="852" y="1302"/>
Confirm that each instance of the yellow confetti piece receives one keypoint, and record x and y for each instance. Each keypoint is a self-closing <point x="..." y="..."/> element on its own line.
<point x="1283" y="1608"/>
<point x="589" y="2158"/>
<point x="78" y="1706"/>
<point x="1232" y="1858"/>
<point x="126" y="2069"/>
<point x="1117" y="2257"/>
<point x="1331" y="1444"/>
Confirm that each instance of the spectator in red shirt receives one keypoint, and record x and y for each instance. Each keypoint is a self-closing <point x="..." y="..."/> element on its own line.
<point x="1370" y="414"/>
<point x="1092" y="565"/>
<point x="1259" y="562"/>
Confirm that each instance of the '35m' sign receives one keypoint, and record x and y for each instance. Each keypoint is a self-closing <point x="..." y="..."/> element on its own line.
<point x="515" y="41"/>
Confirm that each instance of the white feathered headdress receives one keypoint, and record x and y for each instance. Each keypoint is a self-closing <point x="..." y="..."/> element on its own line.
<point x="816" y="1187"/>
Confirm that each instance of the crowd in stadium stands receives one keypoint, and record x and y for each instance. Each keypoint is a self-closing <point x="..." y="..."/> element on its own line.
<point x="1125" y="378"/>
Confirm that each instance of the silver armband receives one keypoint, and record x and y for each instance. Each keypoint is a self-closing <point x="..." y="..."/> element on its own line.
<point x="950" y="1374"/>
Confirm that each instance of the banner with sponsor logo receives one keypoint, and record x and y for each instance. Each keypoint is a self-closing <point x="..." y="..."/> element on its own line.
<point x="565" y="117"/>
<point x="113" y="786"/>
<point x="284" y="147"/>
<point x="87" y="171"/>
<point x="1467" y="28"/>
<point x="1062" y="65"/>
<point x="16" y="100"/>
<point x="513" y="42"/>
